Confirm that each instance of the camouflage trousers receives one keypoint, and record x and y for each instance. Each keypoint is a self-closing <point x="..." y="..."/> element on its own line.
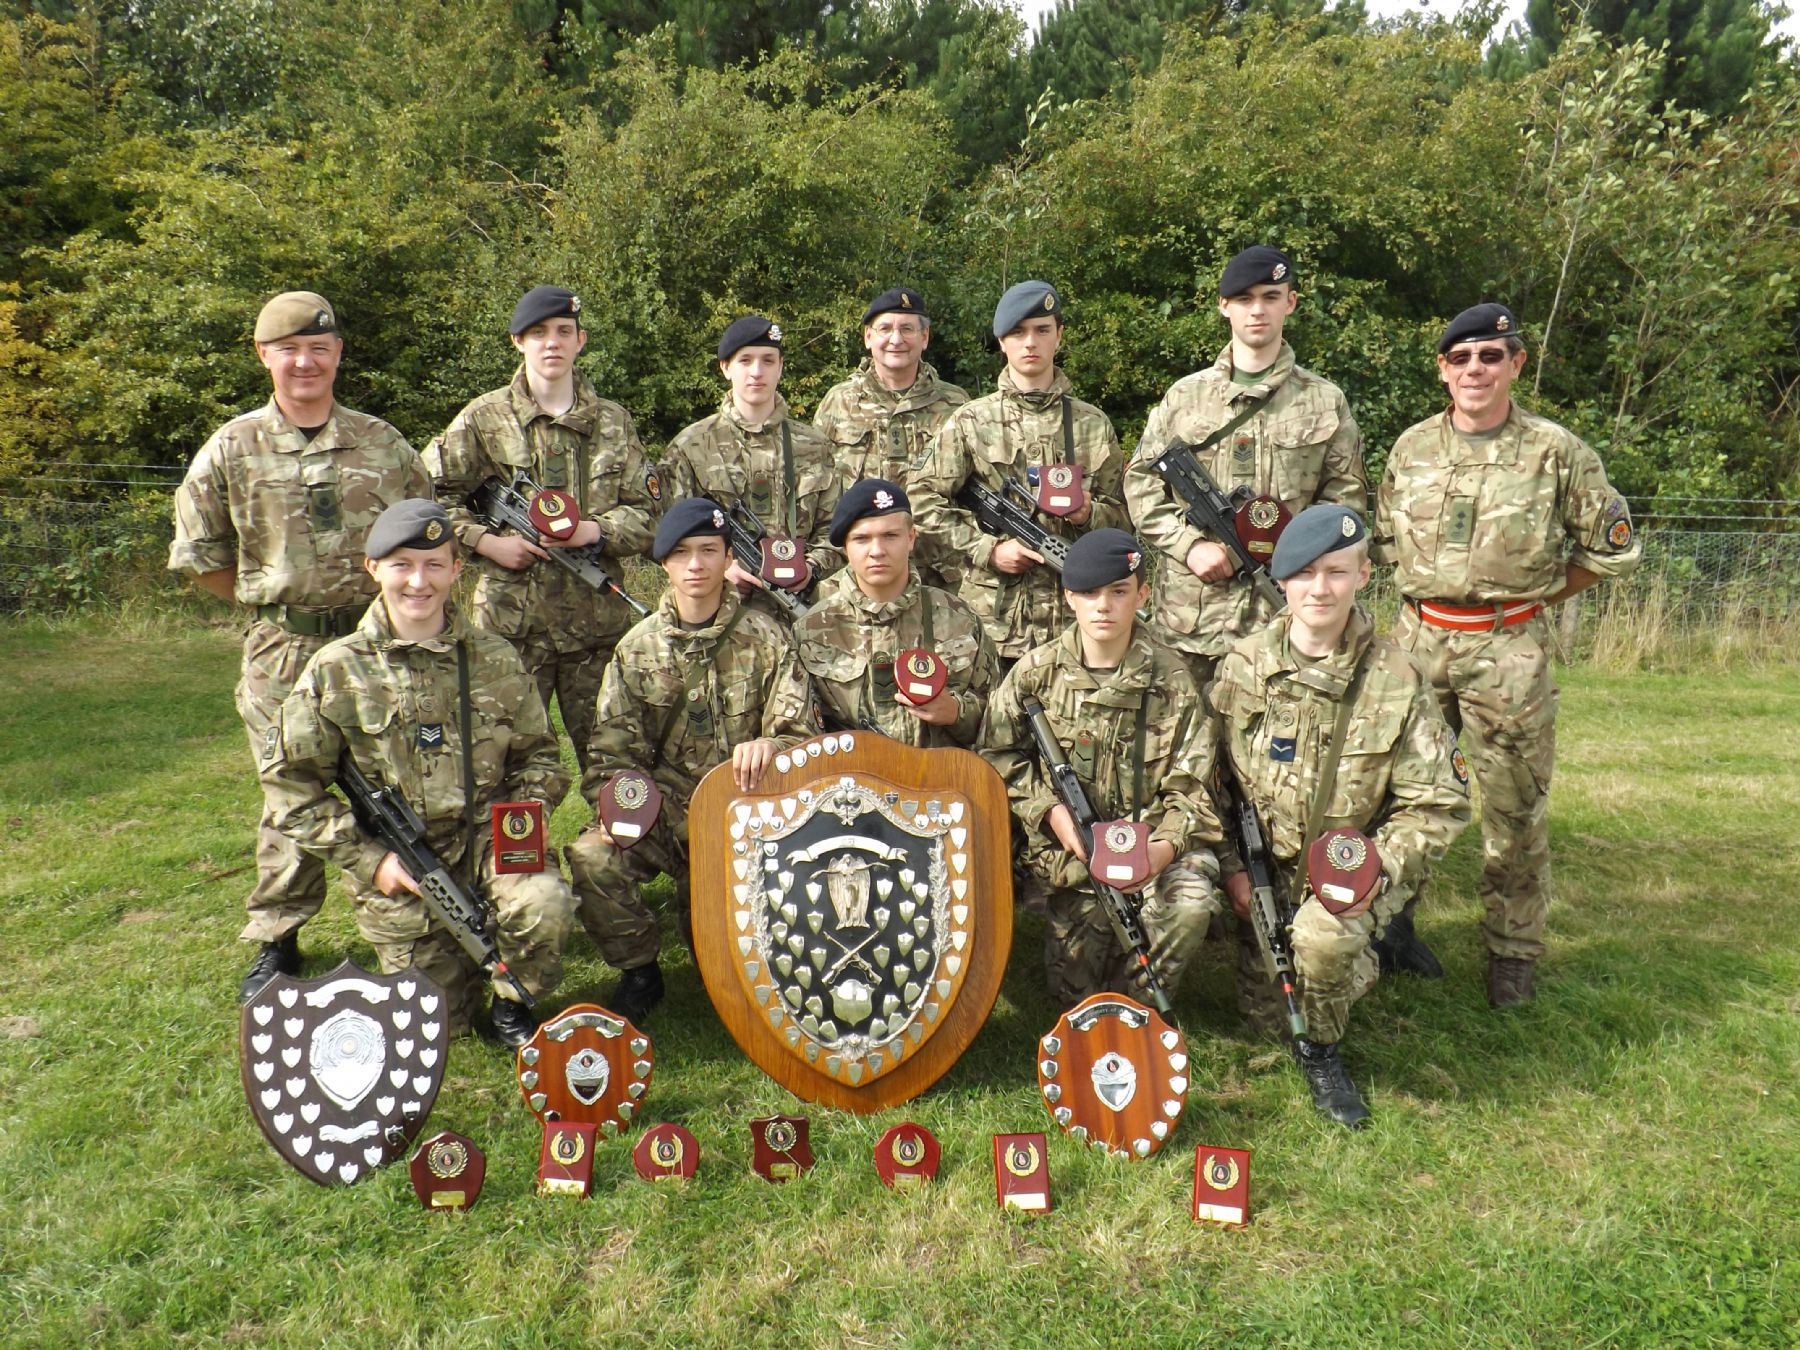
<point x="573" y="676"/>
<point x="532" y="915"/>
<point x="1333" y="967"/>
<point x="290" y="883"/>
<point x="1082" y="954"/>
<point x="624" y="929"/>
<point x="1498" y="691"/>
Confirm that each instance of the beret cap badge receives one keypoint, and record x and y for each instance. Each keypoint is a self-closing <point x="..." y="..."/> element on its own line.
<point x="434" y="530"/>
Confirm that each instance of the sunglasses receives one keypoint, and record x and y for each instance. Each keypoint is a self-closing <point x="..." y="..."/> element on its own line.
<point x="1488" y="356"/>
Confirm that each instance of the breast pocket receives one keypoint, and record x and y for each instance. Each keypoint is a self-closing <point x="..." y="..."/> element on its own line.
<point x="1297" y="444"/>
<point x="1366" y="764"/>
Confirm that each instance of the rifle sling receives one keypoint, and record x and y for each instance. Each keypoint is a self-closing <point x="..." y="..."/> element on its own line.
<point x="1315" y="812"/>
<point x="1256" y="405"/>
<point x="787" y="480"/>
<point x="468" y="761"/>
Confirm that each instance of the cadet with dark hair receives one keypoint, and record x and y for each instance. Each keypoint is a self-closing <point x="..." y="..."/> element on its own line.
<point x="272" y="515"/>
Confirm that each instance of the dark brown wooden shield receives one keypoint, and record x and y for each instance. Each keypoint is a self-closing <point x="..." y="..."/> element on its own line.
<point x="783" y="562"/>
<point x="628" y="804"/>
<point x="1114" y="1075"/>
<point x="919" y="675"/>
<point x="853" y="916"/>
<point x="341" y="1071"/>
<point x="1059" y="489"/>
<point x="1343" y="870"/>
<point x="1260" y="522"/>
<point x="586" y="1065"/>
<point x="1121" y="856"/>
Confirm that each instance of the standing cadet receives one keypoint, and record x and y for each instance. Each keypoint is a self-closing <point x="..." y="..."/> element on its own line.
<point x="550" y="424"/>
<point x="1131" y="719"/>
<point x="1298" y="444"/>
<point x="876" y="609"/>
<point x="751" y="451"/>
<point x="448" y="716"/>
<point x="703" y="680"/>
<point x="272" y="514"/>
<point x="1327" y="725"/>
<point x="1490" y="514"/>
<point x="1032" y="422"/>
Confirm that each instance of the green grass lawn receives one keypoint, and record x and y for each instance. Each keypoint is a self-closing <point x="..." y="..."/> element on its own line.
<point x="1618" y="1164"/>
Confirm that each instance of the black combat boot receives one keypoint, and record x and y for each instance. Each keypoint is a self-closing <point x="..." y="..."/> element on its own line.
<point x="639" y="990"/>
<point x="1333" y="1093"/>
<point x="1509" y="981"/>
<point x="513" y="1022"/>
<point x="280" y="957"/>
<point x="1400" y="948"/>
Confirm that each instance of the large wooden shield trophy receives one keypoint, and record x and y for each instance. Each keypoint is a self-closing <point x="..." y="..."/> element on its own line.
<point x="852" y="917"/>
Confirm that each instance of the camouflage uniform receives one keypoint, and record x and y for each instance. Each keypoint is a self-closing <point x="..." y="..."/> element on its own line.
<point x="736" y="687"/>
<point x="848" y="643"/>
<point x="291" y="515"/>
<point x="1489" y="520"/>
<point x="373" y="694"/>
<point x="1096" y="715"/>
<point x="993" y="439"/>
<point x="563" y="629"/>
<point x="1397" y="781"/>
<point x="1301" y="447"/>
<point x="729" y="460"/>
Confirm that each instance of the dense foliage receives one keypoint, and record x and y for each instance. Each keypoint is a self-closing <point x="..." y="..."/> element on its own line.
<point x="172" y="162"/>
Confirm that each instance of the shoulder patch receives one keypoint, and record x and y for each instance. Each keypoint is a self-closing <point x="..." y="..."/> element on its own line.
<point x="653" y="483"/>
<point x="1618" y="534"/>
<point x="1459" y="766"/>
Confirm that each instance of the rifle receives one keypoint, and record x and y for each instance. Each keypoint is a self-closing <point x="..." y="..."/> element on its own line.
<point x="1122" y="910"/>
<point x="1273" y="928"/>
<point x="746" y="534"/>
<point x="1212" y="512"/>
<point x="384" y="814"/>
<point x="999" y="513"/>
<point x="508" y="506"/>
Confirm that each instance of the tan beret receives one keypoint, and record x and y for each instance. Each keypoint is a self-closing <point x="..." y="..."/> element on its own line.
<point x="294" y="314"/>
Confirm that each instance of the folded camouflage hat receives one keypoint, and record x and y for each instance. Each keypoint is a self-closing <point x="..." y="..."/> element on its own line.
<point x="686" y="518"/>
<point x="295" y="314"/>
<point x="1101" y="557"/>
<point x="1312" y="534"/>
<point x="545" y="302"/>
<point x="1258" y="265"/>
<point x="1027" y="300"/>
<point x="413" y="523"/>
<point x="750" y="331"/>
<point x="902" y="299"/>
<point x="1478" y="324"/>
<point x="862" y="499"/>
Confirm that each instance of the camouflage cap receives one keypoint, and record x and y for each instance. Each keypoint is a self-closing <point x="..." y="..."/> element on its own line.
<point x="902" y="299"/>
<point x="413" y="523"/>
<point x="295" y="314"/>
<point x="545" y="302"/>
<point x="1478" y="324"/>
<point x="862" y="499"/>
<point x="1312" y="534"/>
<point x="1258" y="265"/>
<point x="687" y="518"/>
<point x="750" y="331"/>
<point x="1101" y="557"/>
<point x="1027" y="300"/>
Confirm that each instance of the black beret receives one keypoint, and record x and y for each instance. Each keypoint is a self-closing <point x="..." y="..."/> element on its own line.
<point x="1312" y="534"/>
<point x="1258" y="265"/>
<point x="750" y="331"/>
<point x="1101" y="557"/>
<point x="687" y="518"/>
<point x="864" y="498"/>
<point x="545" y="302"/>
<point x="1477" y="324"/>
<point x="902" y="298"/>
<point x="1027" y="300"/>
<point x="413" y="523"/>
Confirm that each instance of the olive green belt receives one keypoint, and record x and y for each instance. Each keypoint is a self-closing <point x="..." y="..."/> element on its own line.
<point x="313" y="622"/>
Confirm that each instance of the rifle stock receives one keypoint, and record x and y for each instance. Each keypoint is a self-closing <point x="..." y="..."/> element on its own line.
<point x="1213" y="513"/>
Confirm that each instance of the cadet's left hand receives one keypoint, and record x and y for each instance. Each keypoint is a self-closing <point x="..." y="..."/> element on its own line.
<point x="587" y="532"/>
<point x="744" y="581"/>
<point x="942" y="711"/>
<point x="1062" y="825"/>
<point x="750" y="760"/>
<point x="1162" y="853"/>
<point x="1086" y="513"/>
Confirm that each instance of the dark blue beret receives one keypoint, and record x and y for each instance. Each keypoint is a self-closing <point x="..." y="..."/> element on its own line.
<point x="1027" y="300"/>
<point x="1101" y="557"/>
<point x="750" y="331"/>
<point x="1258" y="265"/>
<point x="864" y="498"/>
<point x="413" y="523"/>
<point x="1478" y="324"/>
<point x="687" y="518"/>
<point x="902" y="298"/>
<point x="545" y="302"/>
<point x="1312" y="534"/>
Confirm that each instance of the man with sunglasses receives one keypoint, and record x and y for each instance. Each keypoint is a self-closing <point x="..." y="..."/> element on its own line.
<point x="1490" y="514"/>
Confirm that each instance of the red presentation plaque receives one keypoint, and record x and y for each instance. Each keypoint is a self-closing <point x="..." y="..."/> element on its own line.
<point x="906" y="1155"/>
<point x="566" y="1166"/>
<point x="666" y="1153"/>
<point x="783" y="562"/>
<point x="518" y="837"/>
<point x="1344" y="871"/>
<point x="447" y="1171"/>
<point x="1222" y="1186"/>
<point x="782" y="1149"/>
<point x="1059" y="489"/>
<point x="554" y="514"/>
<point x="1021" y="1173"/>
<point x="1259" y="523"/>
<point x="920" y="675"/>
<point x="1121" y="854"/>
<point x="628" y="805"/>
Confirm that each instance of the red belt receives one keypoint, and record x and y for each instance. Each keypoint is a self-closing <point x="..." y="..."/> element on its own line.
<point x="1476" y="618"/>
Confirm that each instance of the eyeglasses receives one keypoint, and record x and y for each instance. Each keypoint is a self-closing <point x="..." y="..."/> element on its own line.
<point x="1488" y="356"/>
<point x="899" y="330"/>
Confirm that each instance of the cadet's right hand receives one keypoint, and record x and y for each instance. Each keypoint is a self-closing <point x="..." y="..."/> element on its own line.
<point x="1062" y="825"/>
<point x="511" y="551"/>
<point x="392" y="879"/>
<point x="1237" y="890"/>
<point x="744" y="581"/>
<point x="1209" y="561"/>
<point x="1012" y="557"/>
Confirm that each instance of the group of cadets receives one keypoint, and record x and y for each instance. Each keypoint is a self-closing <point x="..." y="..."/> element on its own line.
<point x="306" y="512"/>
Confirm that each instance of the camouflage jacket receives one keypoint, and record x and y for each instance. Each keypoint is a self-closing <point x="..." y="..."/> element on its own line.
<point x="676" y="701"/>
<point x="1096" y="715"/>
<point x="591" y="452"/>
<point x="385" y="700"/>
<point x="995" y="438"/>
<point x="877" y="432"/>
<point x="1301" y="447"/>
<point x="1400" y="778"/>
<point x="291" y="514"/>
<point x="729" y="460"/>
<point x="1472" y="521"/>
<point x="848" y="643"/>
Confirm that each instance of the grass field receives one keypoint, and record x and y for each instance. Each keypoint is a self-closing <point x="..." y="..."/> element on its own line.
<point x="1618" y="1164"/>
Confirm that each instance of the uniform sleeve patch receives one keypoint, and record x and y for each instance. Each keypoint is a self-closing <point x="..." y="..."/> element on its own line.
<point x="653" y="483"/>
<point x="1618" y="534"/>
<point x="1459" y="766"/>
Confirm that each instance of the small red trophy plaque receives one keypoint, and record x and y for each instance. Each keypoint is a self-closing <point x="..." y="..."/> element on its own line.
<point x="666" y="1153"/>
<point x="566" y="1166"/>
<point x="518" y="837"/>
<point x="1021" y="1173"/>
<point x="906" y="1155"/>
<point x="1222" y="1186"/>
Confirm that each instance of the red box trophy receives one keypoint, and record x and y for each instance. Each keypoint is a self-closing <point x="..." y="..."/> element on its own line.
<point x="1059" y="489"/>
<point x="1021" y="1173"/>
<point x="518" y="837"/>
<point x="782" y="1151"/>
<point x="566" y="1165"/>
<point x="1222" y="1186"/>
<point x="447" y="1171"/>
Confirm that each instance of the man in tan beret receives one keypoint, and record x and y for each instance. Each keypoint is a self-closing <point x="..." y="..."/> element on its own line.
<point x="272" y="516"/>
